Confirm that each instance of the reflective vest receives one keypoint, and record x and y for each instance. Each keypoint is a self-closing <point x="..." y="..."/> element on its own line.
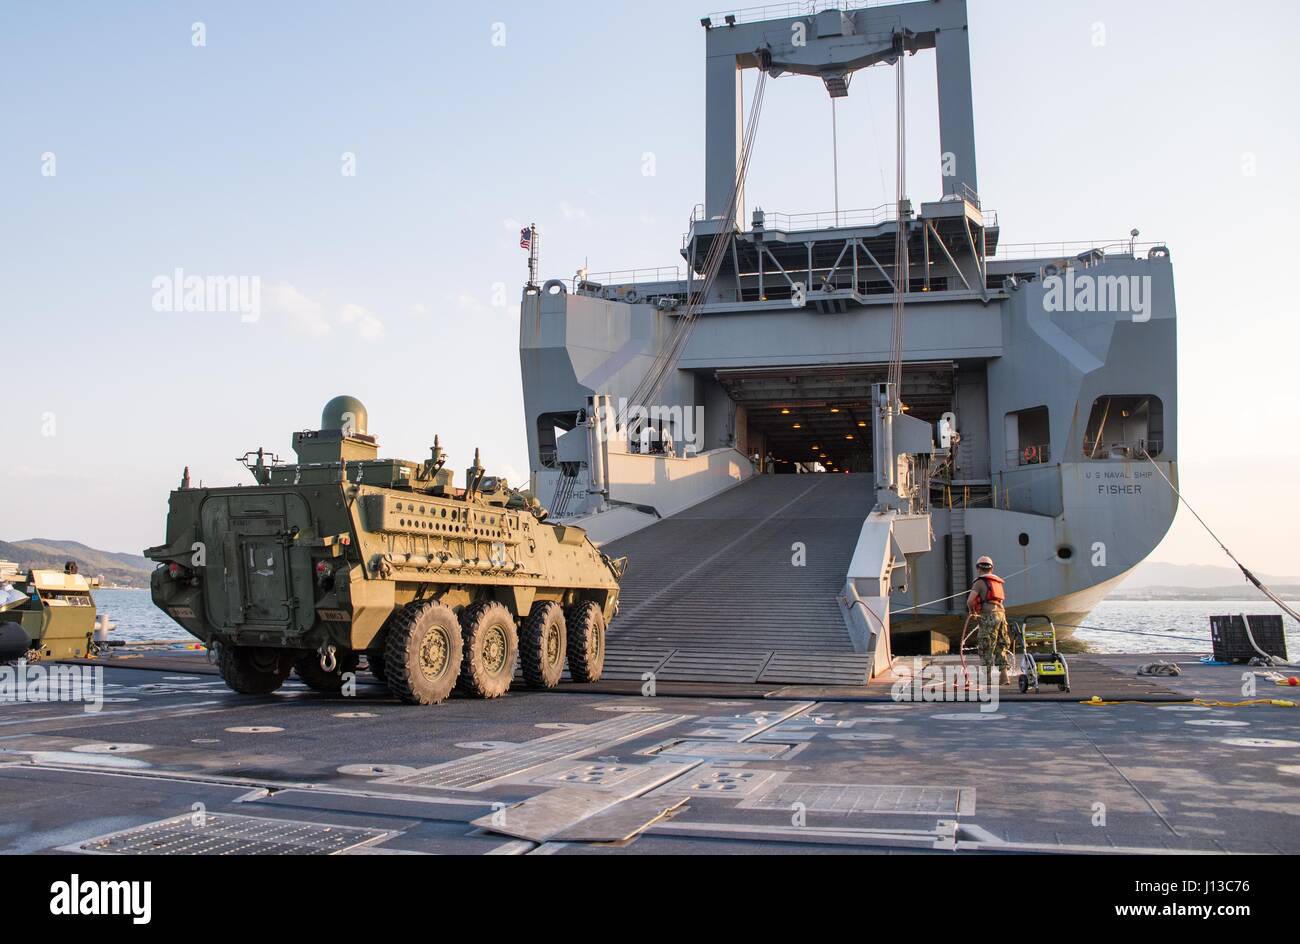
<point x="993" y="592"/>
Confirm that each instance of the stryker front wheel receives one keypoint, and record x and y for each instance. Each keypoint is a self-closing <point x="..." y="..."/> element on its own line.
<point x="542" y="645"/>
<point x="586" y="642"/>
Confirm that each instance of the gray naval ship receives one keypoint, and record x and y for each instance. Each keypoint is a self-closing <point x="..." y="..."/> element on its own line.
<point x="969" y="396"/>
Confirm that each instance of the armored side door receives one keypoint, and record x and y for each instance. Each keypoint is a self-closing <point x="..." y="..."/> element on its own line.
<point x="257" y="575"/>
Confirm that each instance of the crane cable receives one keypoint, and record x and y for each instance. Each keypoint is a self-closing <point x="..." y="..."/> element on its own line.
<point x="1271" y="659"/>
<point x="900" y="243"/>
<point x="661" y="368"/>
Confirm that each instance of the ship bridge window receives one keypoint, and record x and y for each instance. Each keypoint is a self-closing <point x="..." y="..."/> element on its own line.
<point x="550" y="427"/>
<point x="1029" y="439"/>
<point x="1125" y="426"/>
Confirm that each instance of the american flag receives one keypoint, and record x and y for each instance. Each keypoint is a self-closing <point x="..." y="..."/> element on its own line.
<point x="526" y="238"/>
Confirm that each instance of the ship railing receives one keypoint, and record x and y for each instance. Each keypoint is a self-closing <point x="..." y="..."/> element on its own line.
<point x="1075" y="250"/>
<point x="1034" y="454"/>
<point x="621" y="277"/>
<point x="1122" y="449"/>
<point x="829" y="219"/>
<point x="825" y="219"/>
<point x="785" y="11"/>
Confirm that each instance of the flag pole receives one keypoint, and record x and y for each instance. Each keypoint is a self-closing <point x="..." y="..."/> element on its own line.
<point x="532" y="255"/>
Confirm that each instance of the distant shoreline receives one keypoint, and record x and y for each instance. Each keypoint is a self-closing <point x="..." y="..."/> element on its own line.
<point x="1192" y="595"/>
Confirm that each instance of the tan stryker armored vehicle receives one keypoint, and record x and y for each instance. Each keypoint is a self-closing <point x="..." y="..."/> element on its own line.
<point x="344" y="554"/>
<point x="46" y="614"/>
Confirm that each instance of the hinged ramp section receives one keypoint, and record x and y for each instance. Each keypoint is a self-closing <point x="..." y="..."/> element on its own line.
<point x="744" y="587"/>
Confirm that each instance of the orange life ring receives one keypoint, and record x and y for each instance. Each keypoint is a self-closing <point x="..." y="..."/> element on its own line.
<point x="1031" y="453"/>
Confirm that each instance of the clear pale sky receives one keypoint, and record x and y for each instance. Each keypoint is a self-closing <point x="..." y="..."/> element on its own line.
<point x="226" y="160"/>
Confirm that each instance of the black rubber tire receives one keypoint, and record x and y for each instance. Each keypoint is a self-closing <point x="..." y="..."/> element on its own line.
<point x="14" y="642"/>
<point x="486" y="671"/>
<point x="1023" y="683"/>
<point x="418" y="633"/>
<point x="586" y="641"/>
<point x="251" y="670"/>
<point x="375" y="660"/>
<point x="307" y="667"/>
<point x="543" y="640"/>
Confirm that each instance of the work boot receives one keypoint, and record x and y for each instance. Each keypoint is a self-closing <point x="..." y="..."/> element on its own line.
<point x="1002" y="677"/>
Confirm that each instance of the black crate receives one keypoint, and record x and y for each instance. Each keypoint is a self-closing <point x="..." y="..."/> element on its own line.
<point x="1231" y="643"/>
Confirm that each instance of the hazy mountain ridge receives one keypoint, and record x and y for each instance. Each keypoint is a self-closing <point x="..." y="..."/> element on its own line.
<point x="1155" y="580"/>
<point x="1197" y="577"/>
<point x="116" y="568"/>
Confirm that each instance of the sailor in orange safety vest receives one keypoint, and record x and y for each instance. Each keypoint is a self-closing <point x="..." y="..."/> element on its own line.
<point x="986" y="603"/>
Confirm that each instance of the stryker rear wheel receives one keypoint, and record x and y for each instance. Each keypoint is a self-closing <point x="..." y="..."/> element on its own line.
<point x="542" y="645"/>
<point x="422" y="654"/>
<point x="491" y="645"/>
<point x="254" y="670"/>
<point x="313" y="676"/>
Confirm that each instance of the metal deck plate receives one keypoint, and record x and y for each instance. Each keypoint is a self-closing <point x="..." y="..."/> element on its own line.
<point x="481" y="770"/>
<point x="545" y="816"/>
<point x="724" y="783"/>
<point x="233" y="834"/>
<point x="744" y="750"/>
<point x="622" y="822"/>
<point x="866" y="798"/>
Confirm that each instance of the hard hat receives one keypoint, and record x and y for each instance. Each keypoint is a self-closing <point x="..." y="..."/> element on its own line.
<point x="985" y="561"/>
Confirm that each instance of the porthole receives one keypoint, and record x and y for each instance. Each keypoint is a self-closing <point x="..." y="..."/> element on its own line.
<point x="1064" y="552"/>
<point x="1024" y="539"/>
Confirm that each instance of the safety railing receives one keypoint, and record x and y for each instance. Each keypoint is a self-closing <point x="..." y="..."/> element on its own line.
<point x="824" y="219"/>
<point x="831" y="219"/>
<point x="631" y="276"/>
<point x="782" y="11"/>
<point x="1122" y="449"/>
<point x="1073" y="250"/>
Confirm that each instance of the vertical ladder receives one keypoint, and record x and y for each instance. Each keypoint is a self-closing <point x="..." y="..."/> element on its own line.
<point x="960" y="566"/>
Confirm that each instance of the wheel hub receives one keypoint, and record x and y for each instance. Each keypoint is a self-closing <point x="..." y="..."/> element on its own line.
<point x="433" y="654"/>
<point x="494" y="649"/>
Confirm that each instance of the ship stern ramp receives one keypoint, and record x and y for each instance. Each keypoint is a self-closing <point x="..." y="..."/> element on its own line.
<point x="746" y="587"/>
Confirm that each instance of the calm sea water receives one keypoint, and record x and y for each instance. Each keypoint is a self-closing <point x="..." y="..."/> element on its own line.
<point x="1144" y="626"/>
<point x="1159" y="621"/>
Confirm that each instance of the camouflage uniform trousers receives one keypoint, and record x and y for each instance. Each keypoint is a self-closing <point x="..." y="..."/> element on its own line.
<point x="994" y="640"/>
